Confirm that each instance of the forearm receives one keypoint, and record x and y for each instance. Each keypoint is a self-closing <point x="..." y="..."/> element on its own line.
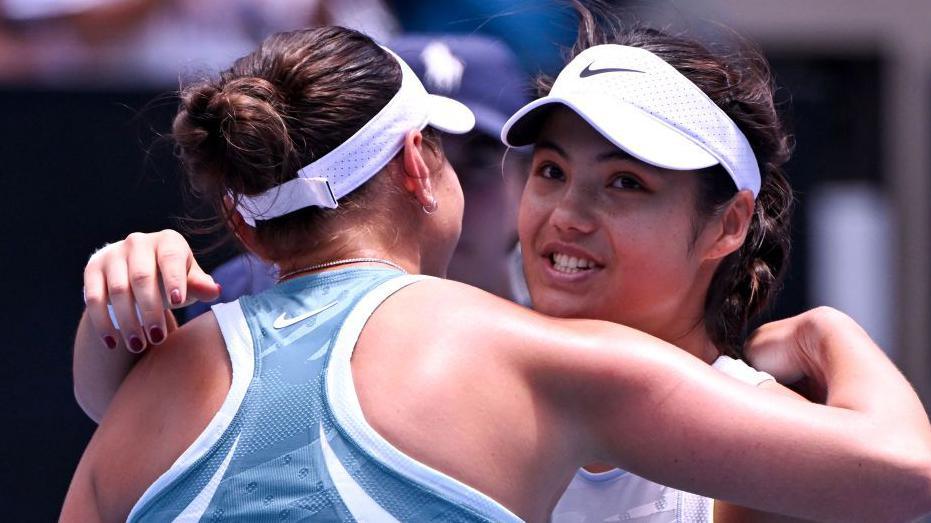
<point x="98" y="371"/>
<point x="751" y="447"/>
<point x="882" y="419"/>
<point x="859" y="377"/>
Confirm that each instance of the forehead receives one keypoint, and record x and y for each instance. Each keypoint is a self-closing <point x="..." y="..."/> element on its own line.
<point x="573" y="137"/>
<point x="568" y="135"/>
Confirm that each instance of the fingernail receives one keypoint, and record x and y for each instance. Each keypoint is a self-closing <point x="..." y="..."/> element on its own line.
<point x="135" y="344"/>
<point x="110" y="342"/>
<point x="156" y="334"/>
<point x="175" y="297"/>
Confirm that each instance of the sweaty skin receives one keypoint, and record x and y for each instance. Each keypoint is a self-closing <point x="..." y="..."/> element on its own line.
<point x="564" y="388"/>
<point x="583" y="381"/>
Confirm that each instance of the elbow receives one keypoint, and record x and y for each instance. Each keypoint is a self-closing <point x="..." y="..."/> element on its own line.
<point x="86" y="405"/>
<point x="912" y="495"/>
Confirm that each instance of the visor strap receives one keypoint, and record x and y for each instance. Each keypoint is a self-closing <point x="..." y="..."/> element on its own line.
<point x="352" y="163"/>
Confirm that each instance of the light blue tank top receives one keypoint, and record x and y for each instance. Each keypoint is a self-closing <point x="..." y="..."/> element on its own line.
<point x="290" y="442"/>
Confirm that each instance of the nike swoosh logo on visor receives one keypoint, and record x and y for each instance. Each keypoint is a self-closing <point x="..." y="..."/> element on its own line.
<point x="283" y="321"/>
<point x="588" y="71"/>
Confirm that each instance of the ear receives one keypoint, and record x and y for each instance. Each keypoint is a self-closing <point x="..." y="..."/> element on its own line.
<point x="730" y="228"/>
<point x="415" y="170"/>
<point x="244" y="232"/>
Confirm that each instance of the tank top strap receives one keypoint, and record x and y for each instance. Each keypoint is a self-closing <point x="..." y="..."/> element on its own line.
<point x="350" y="421"/>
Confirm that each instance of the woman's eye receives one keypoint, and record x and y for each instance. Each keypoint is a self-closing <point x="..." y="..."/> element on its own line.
<point x="551" y="172"/>
<point x="626" y="182"/>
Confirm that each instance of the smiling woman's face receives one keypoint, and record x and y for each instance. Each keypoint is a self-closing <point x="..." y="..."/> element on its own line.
<point x="608" y="237"/>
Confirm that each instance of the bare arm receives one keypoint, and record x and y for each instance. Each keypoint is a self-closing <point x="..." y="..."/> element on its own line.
<point x="580" y="391"/>
<point x="725" y="512"/>
<point x="165" y="401"/>
<point x="143" y="271"/>
<point x="98" y="370"/>
<point x="866" y="456"/>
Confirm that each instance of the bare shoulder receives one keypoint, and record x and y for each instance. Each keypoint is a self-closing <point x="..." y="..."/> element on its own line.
<point x="165" y="402"/>
<point x="451" y="331"/>
<point x="458" y="328"/>
<point x="441" y="372"/>
<point x="490" y="363"/>
<point x="449" y="309"/>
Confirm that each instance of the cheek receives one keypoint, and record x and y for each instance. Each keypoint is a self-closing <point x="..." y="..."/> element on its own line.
<point x="654" y="264"/>
<point x="531" y="214"/>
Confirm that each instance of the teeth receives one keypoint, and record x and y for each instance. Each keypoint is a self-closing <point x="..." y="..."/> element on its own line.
<point x="570" y="264"/>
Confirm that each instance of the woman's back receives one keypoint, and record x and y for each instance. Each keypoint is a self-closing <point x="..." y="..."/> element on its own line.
<point x="284" y="426"/>
<point x="289" y="440"/>
<point x="474" y="388"/>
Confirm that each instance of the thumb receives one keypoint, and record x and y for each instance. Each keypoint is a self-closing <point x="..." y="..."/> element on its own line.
<point x="201" y="286"/>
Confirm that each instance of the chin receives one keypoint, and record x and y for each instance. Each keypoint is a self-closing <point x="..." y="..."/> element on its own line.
<point x="561" y="306"/>
<point x="558" y="307"/>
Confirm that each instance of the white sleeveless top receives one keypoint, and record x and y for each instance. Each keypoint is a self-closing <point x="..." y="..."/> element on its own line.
<point x="617" y="495"/>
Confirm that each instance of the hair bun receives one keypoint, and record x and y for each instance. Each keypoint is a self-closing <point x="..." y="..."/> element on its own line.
<point x="294" y="99"/>
<point x="235" y="135"/>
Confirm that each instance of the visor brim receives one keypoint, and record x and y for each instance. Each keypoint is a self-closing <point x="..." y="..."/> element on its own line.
<point x="630" y="128"/>
<point x="449" y="116"/>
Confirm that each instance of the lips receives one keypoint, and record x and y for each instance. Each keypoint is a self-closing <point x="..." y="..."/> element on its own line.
<point x="565" y="263"/>
<point x="570" y="260"/>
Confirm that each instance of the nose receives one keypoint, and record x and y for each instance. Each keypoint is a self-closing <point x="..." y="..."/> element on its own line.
<point x="573" y="213"/>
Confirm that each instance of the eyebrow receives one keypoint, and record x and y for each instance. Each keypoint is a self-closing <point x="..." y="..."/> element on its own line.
<point x="546" y="144"/>
<point x="614" y="154"/>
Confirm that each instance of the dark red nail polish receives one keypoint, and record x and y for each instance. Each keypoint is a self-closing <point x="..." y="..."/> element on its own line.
<point x="175" y="297"/>
<point x="110" y="342"/>
<point x="156" y="334"/>
<point x="135" y="344"/>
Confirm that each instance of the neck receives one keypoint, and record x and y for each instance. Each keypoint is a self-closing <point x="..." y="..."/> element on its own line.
<point x="685" y="330"/>
<point x="684" y="326"/>
<point x="305" y="264"/>
<point x="696" y="342"/>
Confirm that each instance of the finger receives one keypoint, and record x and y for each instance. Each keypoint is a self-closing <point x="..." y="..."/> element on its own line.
<point x="201" y="285"/>
<point x="174" y="257"/>
<point x="95" y="301"/>
<point x="124" y="307"/>
<point x="145" y="286"/>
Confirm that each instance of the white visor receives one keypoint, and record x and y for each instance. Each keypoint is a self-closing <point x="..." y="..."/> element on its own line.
<point x="364" y="154"/>
<point x="648" y="109"/>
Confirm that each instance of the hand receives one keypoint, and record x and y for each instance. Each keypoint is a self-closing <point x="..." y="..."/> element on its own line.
<point x="791" y="349"/>
<point x="131" y="274"/>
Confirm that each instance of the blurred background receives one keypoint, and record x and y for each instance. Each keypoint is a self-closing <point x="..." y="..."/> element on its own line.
<point x="86" y="94"/>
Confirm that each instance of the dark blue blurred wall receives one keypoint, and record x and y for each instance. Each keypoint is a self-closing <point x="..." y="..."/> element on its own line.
<point x="74" y="173"/>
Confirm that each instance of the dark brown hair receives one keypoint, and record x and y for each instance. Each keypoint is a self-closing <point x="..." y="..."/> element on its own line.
<point x="740" y="83"/>
<point x="293" y="100"/>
